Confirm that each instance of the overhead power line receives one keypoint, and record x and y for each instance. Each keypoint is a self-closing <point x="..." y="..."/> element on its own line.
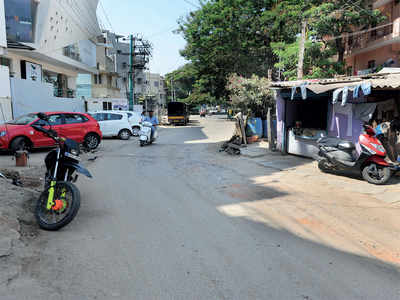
<point x="106" y="15"/>
<point x="189" y="2"/>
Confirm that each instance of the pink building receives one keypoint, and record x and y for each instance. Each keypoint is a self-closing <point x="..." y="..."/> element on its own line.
<point x="373" y="48"/>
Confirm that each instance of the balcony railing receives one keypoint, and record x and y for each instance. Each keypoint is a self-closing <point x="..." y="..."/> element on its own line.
<point x="365" y="39"/>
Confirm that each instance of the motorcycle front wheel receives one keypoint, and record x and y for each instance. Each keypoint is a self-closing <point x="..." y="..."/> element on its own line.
<point x="67" y="201"/>
<point x="376" y="174"/>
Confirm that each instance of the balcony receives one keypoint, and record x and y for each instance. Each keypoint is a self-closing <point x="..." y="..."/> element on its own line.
<point x="72" y="52"/>
<point x="64" y="93"/>
<point x="370" y="40"/>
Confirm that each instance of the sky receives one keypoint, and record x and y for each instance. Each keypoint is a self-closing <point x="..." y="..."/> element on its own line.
<point x="155" y="20"/>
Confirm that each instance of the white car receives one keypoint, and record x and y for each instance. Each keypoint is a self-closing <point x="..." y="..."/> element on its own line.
<point x="113" y="123"/>
<point x="134" y="118"/>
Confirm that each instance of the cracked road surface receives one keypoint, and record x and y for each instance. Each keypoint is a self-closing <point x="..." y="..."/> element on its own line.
<point x="153" y="226"/>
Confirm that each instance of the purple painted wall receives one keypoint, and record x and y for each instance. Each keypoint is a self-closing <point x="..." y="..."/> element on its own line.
<point x="341" y="130"/>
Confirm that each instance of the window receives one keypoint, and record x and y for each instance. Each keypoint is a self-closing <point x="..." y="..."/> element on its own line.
<point x="107" y="105"/>
<point x="55" y="120"/>
<point x="99" y="78"/>
<point x="156" y="83"/>
<point x="139" y="80"/>
<point x="98" y="66"/>
<point x="124" y="65"/>
<point x="74" y="119"/>
<point x="96" y="79"/>
<point x="119" y="52"/>
<point x="114" y="117"/>
<point x="371" y="64"/>
<point x="100" y="117"/>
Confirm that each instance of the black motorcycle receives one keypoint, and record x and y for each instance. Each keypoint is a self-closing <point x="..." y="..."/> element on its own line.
<point x="60" y="201"/>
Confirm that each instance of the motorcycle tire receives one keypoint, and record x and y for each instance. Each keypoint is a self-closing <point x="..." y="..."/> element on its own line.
<point x="141" y="143"/>
<point x="62" y="216"/>
<point x="323" y="165"/>
<point x="384" y="175"/>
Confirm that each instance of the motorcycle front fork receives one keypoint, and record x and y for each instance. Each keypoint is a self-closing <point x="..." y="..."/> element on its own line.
<point x="53" y="182"/>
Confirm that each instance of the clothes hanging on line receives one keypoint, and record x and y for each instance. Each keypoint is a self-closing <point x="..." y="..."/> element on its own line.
<point x="303" y="91"/>
<point x="364" y="87"/>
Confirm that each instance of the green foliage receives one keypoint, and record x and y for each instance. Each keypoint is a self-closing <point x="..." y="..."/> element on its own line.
<point x="250" y="93"/>
<point x="183" y="80"/>
<point x="227" y="36"/>
<point x="249" y="37"/>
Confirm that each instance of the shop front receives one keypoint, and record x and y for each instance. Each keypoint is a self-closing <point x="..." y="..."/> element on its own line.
<point x="309" y="110"/>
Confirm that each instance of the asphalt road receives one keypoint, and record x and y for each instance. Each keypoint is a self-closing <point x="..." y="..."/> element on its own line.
<point x="151" y="227"/>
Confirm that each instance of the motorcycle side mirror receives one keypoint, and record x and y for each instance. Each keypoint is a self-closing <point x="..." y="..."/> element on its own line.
<point x="43" y="116"/>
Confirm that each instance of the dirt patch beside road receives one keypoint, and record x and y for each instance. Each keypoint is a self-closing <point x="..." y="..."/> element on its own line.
<point x="344" y="213"/>
<point x="17" y="227"/>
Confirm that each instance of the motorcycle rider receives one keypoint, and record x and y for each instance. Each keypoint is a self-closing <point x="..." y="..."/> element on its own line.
<point x="153" y="120"/>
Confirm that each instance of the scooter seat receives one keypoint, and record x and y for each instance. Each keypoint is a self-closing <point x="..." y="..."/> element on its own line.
<point x="336" y="143"/>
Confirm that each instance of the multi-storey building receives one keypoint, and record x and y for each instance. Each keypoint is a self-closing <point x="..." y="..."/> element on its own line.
<point x="378" y="45"/>
<point x="48" y="44"/>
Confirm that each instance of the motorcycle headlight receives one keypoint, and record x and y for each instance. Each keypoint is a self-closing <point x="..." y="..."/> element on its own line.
<point x="74" y="152"/>
<point x="3" y="133"/>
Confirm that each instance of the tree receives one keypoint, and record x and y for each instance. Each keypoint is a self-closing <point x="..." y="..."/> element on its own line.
<point x="250" y="93"/>
<point x="227" y="36"/>
<point x="328" y="23"/>
<point x="334" y="19"/>
<point x="183" y="80"/>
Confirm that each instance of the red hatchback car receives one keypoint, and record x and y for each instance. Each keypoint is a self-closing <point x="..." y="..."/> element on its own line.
<point x="18" y="134"/>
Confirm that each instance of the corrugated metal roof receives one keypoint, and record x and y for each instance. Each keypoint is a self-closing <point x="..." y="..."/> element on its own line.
<point x="380" y="80"/>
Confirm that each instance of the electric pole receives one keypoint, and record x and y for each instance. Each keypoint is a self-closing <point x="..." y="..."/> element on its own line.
<point x="132" y="73"/>
<point x="302" y="49"/>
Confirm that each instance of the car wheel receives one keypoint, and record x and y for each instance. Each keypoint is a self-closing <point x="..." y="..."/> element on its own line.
<point x="135" y="130"/>
<point x="92" y="141"/>
<point x="20" y="143"/>
<point x="124" y="134"/>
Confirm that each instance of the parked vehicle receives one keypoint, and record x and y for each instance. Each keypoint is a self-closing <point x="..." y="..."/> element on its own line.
<point x="134" y="119"/>
<point x="145" y="134"/>
<point x="340" y="155"/>
<point x="60" y="201"/>
<point x="113" y="124"/>
<point x="19" y="135"/>
<point x="178" y="113"/>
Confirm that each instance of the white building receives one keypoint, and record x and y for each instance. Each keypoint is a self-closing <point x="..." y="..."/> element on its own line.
<point x="155" y="90"/>
<point x="48" y="44"/>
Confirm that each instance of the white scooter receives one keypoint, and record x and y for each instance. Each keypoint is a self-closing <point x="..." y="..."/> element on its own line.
<point x="145" y="134"/>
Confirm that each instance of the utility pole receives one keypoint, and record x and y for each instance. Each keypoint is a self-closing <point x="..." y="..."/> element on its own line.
<point x="132" y="73"/>
<point x="172" y="90"/>
<point x="302" y="49"/>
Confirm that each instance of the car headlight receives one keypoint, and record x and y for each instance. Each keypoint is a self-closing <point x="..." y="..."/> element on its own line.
<point x="3" y="133"/>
